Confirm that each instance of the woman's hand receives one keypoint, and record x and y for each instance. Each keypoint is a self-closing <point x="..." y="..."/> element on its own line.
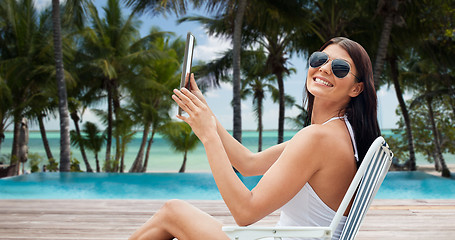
<point x="200" y="118"/>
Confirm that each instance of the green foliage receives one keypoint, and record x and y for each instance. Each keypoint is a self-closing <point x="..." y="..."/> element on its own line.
<point x="301" y="120"/>
<point x="75" y="165"/>
<point x="34" y="160"/>
<point x="110" y="165"/>
<point x="180" y="136"/>
<point x="13" y="160"/>
<point x="399" y="145"/>
<point x="93" y="138"/>
<point x="52" y="165"/>
<point x="422" y="132"/>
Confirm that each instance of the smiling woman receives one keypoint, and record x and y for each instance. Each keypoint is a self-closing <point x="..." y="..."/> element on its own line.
<point x="335" y="100"/>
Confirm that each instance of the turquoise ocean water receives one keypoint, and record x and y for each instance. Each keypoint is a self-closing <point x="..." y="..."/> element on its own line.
<point x="162" y="156"/>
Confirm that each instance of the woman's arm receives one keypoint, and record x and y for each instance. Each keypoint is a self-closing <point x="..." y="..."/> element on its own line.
<point x="245" y="161"/>
<point x="280" y="183"/>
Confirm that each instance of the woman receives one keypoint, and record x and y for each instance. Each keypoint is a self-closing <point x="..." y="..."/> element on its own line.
<point x="315" y="167"/>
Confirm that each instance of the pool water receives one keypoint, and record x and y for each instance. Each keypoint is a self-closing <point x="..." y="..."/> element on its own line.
<point x="397" y="185"/>
<point x="416" y="185"/>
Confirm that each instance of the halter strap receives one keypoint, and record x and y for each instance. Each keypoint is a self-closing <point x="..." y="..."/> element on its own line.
<point x="334" y="118"/>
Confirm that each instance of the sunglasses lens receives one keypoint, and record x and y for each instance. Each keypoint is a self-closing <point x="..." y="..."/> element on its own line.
<point x="340" y="68"/>
<point x="317" y="59"/>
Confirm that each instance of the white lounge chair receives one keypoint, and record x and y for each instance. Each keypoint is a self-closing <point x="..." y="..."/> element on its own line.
<point x="365" y="184"/>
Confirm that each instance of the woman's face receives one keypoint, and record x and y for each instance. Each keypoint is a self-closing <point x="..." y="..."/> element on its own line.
<point x="324" y="85"/>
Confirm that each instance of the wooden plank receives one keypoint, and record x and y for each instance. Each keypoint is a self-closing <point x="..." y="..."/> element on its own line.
<point x="117" y="219"/>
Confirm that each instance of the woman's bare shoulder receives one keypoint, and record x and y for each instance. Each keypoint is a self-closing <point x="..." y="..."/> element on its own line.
<point x="315" y="133"/>
<point x="321" y="138"/>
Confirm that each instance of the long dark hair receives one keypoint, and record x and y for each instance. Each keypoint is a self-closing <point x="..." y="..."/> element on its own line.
<point x="361" y="110"/>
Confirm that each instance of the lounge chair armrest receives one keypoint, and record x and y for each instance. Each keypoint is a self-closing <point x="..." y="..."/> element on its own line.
<point x="253" y="232"/>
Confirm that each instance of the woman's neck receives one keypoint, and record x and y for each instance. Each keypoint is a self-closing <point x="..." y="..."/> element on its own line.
<point x="323" y="111"/>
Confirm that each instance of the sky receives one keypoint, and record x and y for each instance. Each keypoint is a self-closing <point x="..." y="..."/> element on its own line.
<point x="208" y="48"/>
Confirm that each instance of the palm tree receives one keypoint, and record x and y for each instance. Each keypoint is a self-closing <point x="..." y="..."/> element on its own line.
<point x="74" y="105"/>
<point x="93" y="140"/>
<point x="159" y="119"/>
<point x="237" y="8"/>
<point x="394" y="69"/>
<point x="123" y="131"/>
<point x="62" y="94"/>
<point x="151" y="89"/>
<point x="427" y="81"/>
<point x="43" y="106"/>
<point x="237" y="47"/>
<point x="273" y="27"/>
<point x="277" y="46"/>
<point x="390" y="10"/>
<point x="45" y="102"/>
<point x="110" y="47"/>
<point x="21" y="45"/>
<point x="412" y="36"/>
<point x="256" y="88"/>
<point x="255" y="83"/>
<point x="181" y="137"/>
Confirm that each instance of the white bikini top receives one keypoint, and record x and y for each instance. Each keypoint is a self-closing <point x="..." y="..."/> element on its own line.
<point x="351" y="133"/>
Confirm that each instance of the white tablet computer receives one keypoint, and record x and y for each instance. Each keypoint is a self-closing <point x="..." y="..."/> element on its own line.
<point x="187" y="60"/>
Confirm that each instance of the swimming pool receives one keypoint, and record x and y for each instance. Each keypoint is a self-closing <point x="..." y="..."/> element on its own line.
<point x="397" y="185"/>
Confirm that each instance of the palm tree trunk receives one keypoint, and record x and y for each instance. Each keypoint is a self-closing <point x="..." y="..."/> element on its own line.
<point x="14" y="162"/>
<point x="118" y="140"/>
<point x="382" y="48"/>
<point x="411" y="163"/>
<point x="122" y="161"/>
<point x="137" y="164"/>
<point x="44" y="137"/>
<point x="98" y="169"/>
<point x="62" y="95"/>
<point x="437" y="163"/>
<point x="118" y="151"/>
<point x="149" y="146"/>
<point x="182" y="168"/>
<point x="2" y="137"/>
<point x="279" y="77"/>
<point x="109" y="122"/>
<point x="75" y="119"/>
<point x="260" y="127"/>
<point x="237" y="47"/>
<point x="445" y="170"/>
<point x="122" y="157"/>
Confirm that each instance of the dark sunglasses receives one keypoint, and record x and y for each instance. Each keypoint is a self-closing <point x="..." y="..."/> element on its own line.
<point x="340" y="67"/>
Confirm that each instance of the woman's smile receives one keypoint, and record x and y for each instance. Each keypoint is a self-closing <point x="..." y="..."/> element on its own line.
<point x="322" y="82"/>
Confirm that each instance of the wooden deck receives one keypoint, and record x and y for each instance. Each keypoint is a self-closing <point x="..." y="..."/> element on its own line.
<point x="117" y="219"/>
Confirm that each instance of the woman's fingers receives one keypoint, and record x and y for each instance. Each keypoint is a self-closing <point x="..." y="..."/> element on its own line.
<point x="193" y="85"/>
<point x="192" y="97"/>
<point x="183" y="101"/>
<point x="188" y="100"/>
<point x="183" y="118"/>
